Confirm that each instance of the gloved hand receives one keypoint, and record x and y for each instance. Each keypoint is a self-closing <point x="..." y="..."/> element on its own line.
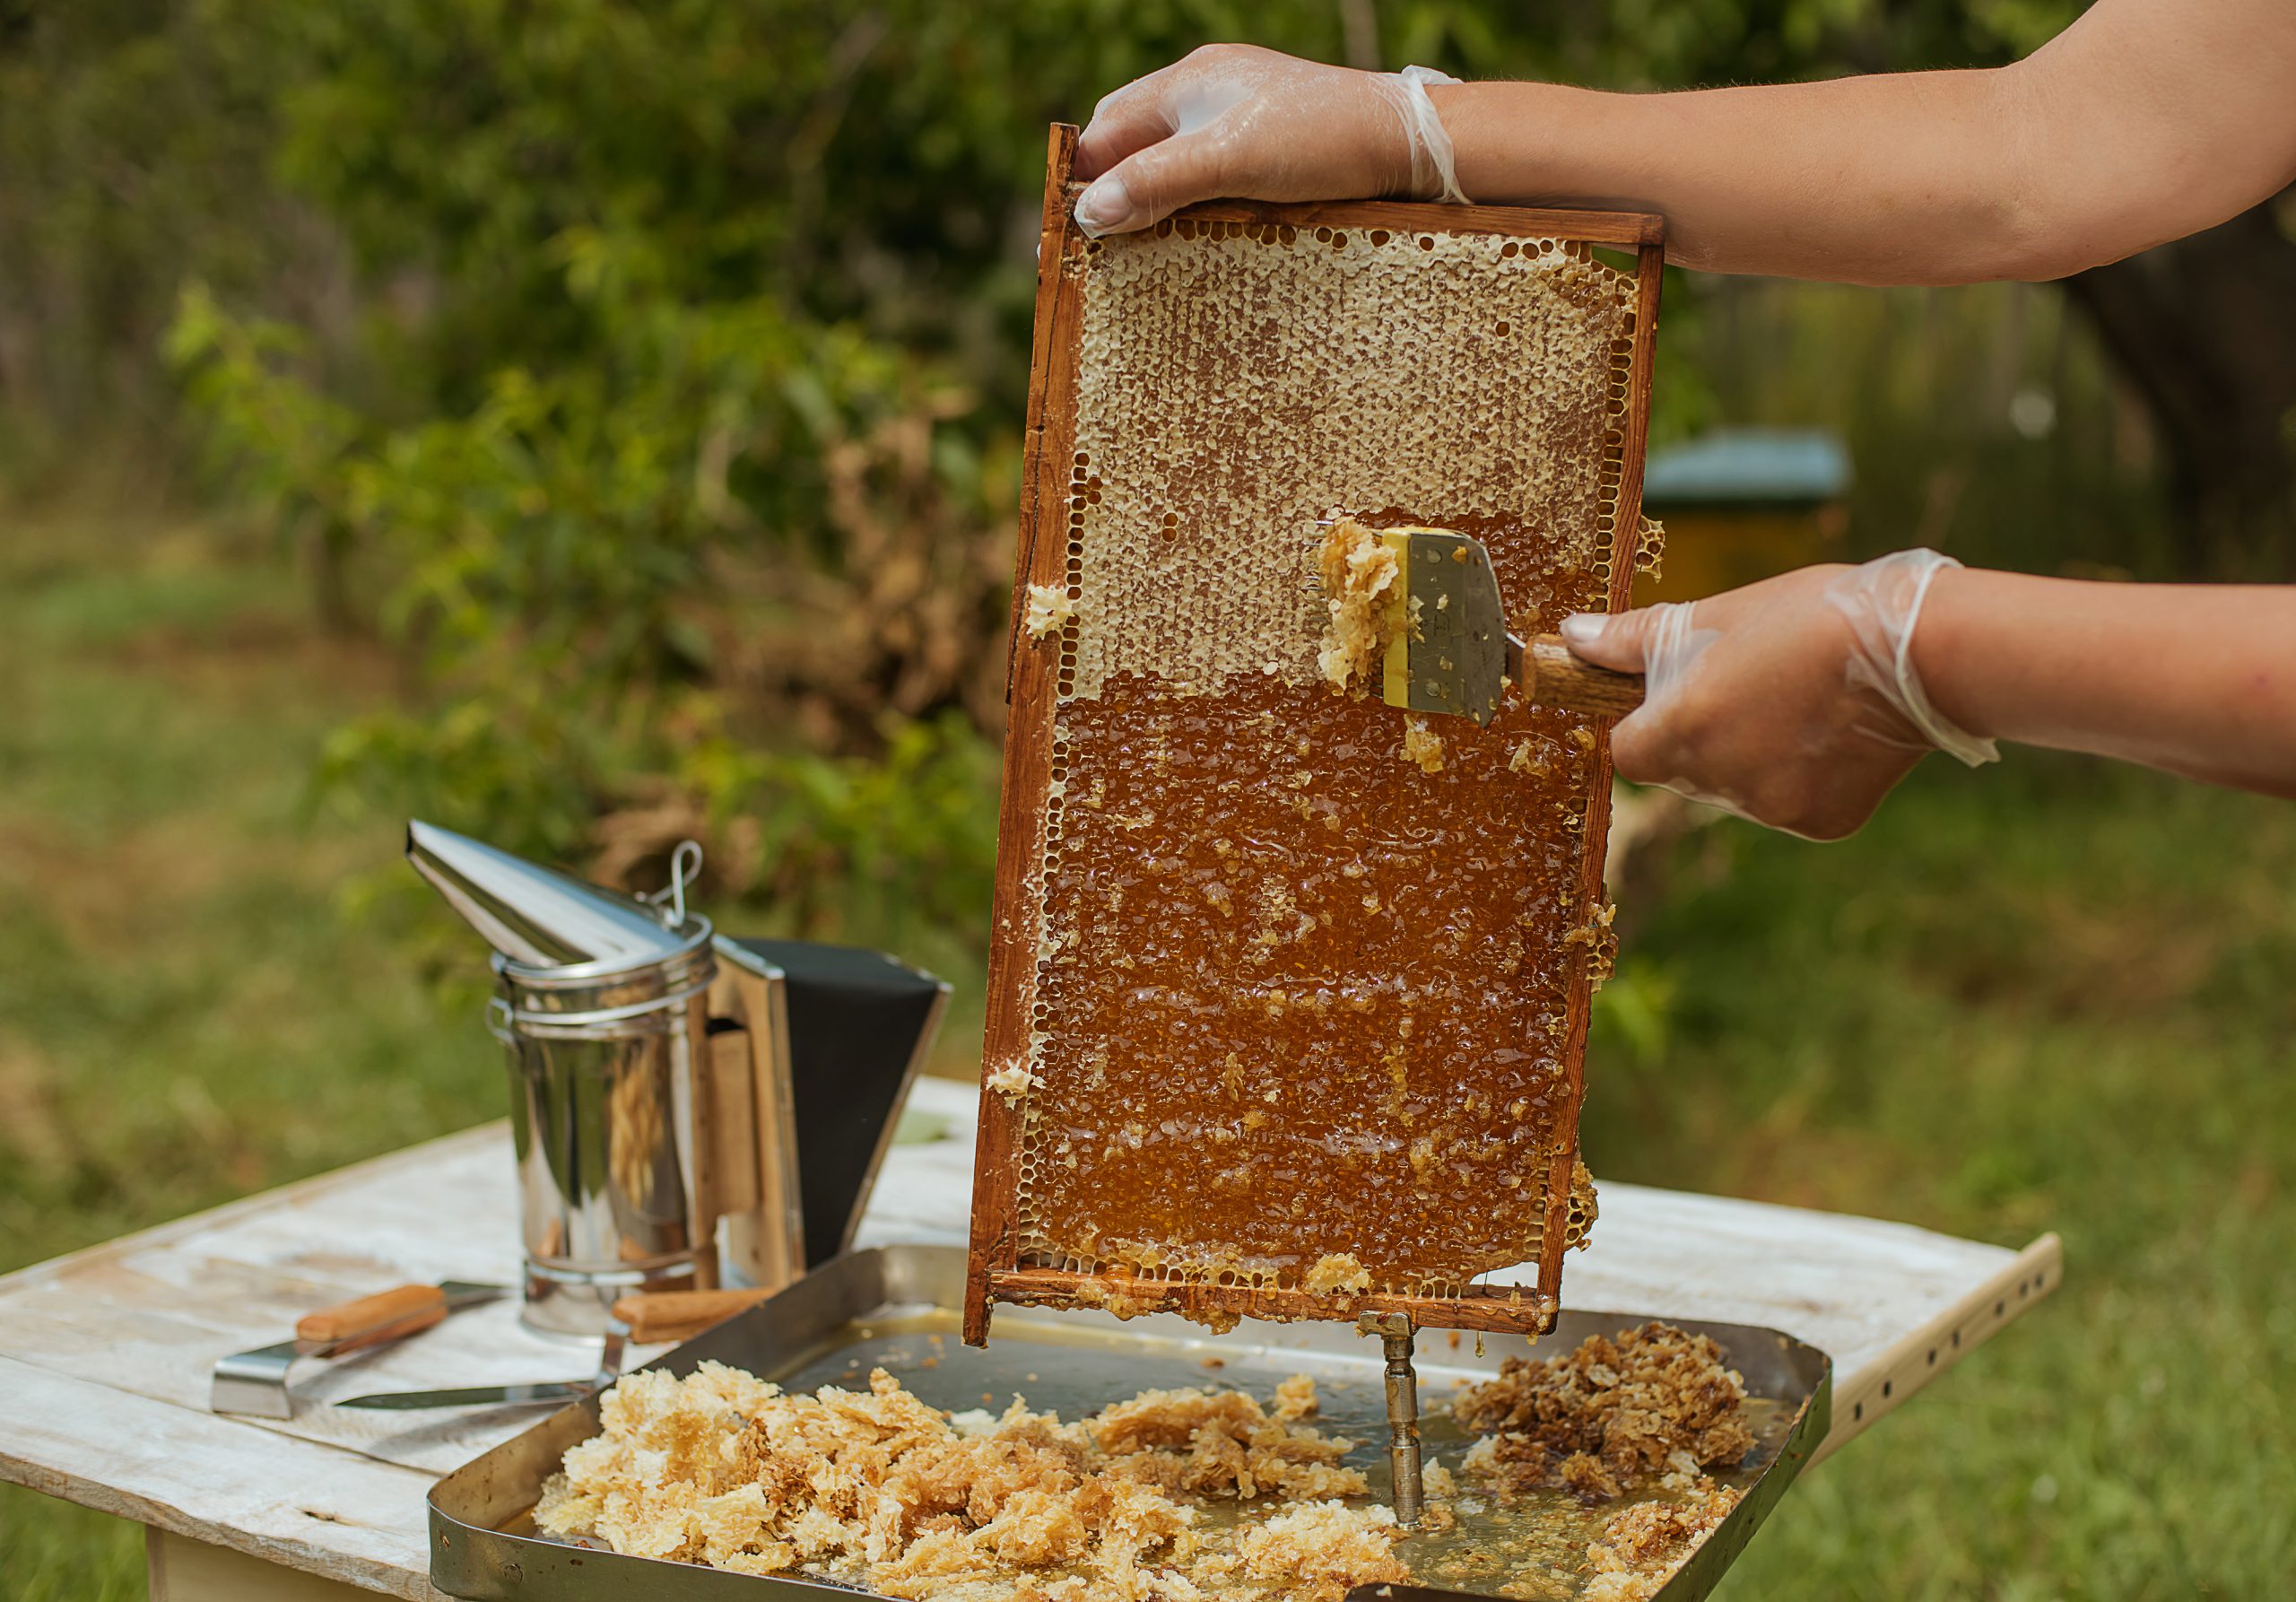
<point x="1237" y="122"/>
<point x="1793" y="703"/>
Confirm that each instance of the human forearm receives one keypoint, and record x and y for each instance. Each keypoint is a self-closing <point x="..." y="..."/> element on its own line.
<point x="1801" y="701"/>
<point x="2141" y="123"/>
<point x="2198" y="680"/>
<point x="1891" y="180"/>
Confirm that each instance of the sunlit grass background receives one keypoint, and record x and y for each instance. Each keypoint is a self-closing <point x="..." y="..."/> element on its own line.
<point x="2054" y="996"/>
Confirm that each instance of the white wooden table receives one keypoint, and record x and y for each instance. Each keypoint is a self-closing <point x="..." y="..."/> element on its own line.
<point x="105" y="1355"/>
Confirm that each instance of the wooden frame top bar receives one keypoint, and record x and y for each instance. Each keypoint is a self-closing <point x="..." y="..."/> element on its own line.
<point x="1623" y="230"/>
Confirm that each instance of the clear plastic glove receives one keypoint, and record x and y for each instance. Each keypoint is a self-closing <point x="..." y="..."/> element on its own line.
<point x="1240" y="123"/>
<point x="1793" y="703"/>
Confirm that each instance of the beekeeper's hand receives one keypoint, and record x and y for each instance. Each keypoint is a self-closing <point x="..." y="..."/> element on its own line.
<point x="1793" y="702"/>
<point x="1238" y="122"/>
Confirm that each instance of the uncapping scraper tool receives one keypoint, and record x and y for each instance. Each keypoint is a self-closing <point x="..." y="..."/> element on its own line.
<point x="1456" y="656"/>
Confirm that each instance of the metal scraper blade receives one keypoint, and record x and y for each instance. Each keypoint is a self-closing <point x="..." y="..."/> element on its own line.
<point x="1453" y="658"/>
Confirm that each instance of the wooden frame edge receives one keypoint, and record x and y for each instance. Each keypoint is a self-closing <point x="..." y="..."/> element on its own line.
<point x="1626" y="534"/>
<point x="1020" y="846"/>
<point x="1628" y="230"/>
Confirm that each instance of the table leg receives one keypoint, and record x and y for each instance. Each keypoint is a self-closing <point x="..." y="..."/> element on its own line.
<point x="183" y="1569"/>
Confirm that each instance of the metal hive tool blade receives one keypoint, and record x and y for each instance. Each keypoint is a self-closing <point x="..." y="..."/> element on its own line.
<point x="1452" y="659"/>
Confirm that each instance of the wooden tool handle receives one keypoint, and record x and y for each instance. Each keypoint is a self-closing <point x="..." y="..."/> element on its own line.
<point x="1553" y="677"/>
<point x="385" y="1316"/>
<point x="680" y="1315"/>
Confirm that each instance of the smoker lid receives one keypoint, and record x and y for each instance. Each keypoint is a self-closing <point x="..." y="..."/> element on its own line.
<point x="542" y="918"/>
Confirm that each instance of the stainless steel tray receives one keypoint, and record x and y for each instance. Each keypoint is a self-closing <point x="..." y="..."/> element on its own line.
<point x="898" y="1308"/>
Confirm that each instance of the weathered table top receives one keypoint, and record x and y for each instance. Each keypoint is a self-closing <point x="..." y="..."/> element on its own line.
<point x="105" y="1355"/>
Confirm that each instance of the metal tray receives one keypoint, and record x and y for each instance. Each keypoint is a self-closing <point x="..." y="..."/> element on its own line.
<point x="886" y="1307"/>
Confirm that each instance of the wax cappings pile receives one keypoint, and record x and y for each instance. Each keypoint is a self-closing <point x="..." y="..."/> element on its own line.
<point x="877" y="1488"/>
<point x="1654" y="1404"/>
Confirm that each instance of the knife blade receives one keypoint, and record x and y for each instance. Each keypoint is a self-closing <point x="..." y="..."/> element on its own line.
<point x="526" y="1394"/>
<point x="474" y="1396"/>
<point x="1452" y="652"/>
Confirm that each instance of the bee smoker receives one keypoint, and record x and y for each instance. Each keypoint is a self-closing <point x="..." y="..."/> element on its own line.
<point x="601" y="1005"/>
<point x="665" y="1082"/>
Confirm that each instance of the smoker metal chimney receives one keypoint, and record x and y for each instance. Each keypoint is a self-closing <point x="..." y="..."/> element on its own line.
<point x="537" y="916"/>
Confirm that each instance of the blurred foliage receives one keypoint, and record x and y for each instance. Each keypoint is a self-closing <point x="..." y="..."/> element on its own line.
<point x="135" y="138"/>
<point x="1986" y="421"/>
<point x="650" y="374"/>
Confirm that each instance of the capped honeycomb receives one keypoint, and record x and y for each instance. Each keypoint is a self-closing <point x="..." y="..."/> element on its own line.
<point x="1300" y="972"/>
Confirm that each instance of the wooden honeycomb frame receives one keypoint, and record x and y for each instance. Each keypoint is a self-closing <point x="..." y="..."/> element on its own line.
<point x="998" y="1268"/>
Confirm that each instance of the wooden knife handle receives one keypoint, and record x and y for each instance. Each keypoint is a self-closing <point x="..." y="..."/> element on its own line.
<point x="385" y="1316"/>
<point x="1555" y="678"/>
<point x="680" y="1315"/>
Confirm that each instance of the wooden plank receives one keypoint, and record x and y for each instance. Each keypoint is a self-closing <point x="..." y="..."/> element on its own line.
<point x="1882" y="1383"/>
<point x="107" y="1351"/>
<point x="149" y="1314"/>
<point x="732" y="1134"/>
<point x="418" y="1159"/>
<point x="291" y="1502"/>
<point x="765" y="1239"/>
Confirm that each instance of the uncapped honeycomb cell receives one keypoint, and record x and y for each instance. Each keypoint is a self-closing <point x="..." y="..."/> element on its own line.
<point x="1304" y="974"/>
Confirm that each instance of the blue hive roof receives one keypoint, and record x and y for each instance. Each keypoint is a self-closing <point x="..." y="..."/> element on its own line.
<point x="1748" y="466"/>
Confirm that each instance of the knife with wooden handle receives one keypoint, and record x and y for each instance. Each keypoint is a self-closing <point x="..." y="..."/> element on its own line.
<point x="524" y="1393"/>
<point x="255" y="1382"/>
<point x="370" y="1320"/>
<point x="641" y="1318"/>
<point x="1552" y="677"/>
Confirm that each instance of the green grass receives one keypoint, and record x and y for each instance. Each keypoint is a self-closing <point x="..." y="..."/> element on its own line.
<point x="185" y="1012"/>
<point x="2052" y="995"/>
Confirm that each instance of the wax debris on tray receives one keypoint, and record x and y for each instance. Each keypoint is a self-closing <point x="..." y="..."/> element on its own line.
<point x="723" y="1469"/>
<point x="1654" y="1406"/>
<point x="1640" y="1549"/>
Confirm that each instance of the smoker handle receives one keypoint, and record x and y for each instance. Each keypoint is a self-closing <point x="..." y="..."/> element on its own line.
<point x="680" y="1315"/>
<point x="385" y="1316"/>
